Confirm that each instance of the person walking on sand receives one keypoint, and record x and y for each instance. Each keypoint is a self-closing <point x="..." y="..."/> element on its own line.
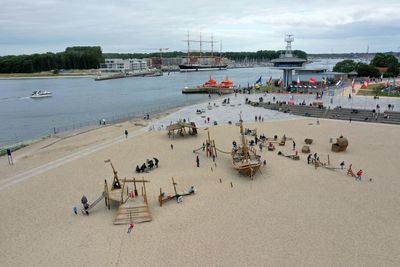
<point x="342" y="165"/>
<point x="131" y="225"/>
<point x="294" y="145"/>
<point x="359" y="174"/>
<point x="126" y="133"/>
<point x="9" y="156"/>
<point x="172" y="147"/>
<point x="197" y="161"/>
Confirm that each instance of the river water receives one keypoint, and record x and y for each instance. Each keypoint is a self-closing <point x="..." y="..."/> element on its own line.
<point x="78" y="102"/>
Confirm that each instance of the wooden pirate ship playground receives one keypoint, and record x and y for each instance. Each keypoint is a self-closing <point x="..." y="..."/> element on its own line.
<point x="132" y="206"/>
<point x="245" y="158"/>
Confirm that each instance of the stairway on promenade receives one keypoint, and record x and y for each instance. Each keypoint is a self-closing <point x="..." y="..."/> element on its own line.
<point x="365" y="115"/>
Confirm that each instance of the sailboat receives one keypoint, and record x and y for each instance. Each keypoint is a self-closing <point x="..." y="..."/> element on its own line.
<point x="202" y="63"/>
<point x="245" y="159"/>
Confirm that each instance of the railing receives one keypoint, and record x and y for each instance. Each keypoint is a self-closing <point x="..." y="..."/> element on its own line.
<point x="115" y="119"/>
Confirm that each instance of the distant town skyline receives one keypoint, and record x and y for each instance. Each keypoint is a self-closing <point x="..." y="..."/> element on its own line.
<point x="124" y="26"/>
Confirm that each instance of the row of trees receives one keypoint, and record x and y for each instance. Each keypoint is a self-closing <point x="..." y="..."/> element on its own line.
<point x="237" y="56"/>
<point x="380" y="60"/>
<point x="80" y="57"/>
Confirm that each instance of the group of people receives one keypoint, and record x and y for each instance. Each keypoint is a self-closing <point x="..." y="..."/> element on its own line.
<point x="149" y="164"/>
<point x="226" y="101"/>
<point x="259" y="118"/>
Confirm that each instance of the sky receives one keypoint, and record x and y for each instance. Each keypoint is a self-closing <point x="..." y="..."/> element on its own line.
<point x="124" y="26"/>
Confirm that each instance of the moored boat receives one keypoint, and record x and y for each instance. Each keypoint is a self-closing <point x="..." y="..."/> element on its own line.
<point x="212" y="87"/>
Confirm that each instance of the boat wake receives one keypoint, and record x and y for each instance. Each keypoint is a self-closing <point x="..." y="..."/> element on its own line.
<point x="9" y="99"/>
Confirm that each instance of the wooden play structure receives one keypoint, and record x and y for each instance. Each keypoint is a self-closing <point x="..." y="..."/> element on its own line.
<point x="294" y="157"/>
<point x="270" y="147"/>
<point x="163" y="197"/>
<point x="350" y="171"/>
<point x="326" y="165"/>
<point x="252" y="132"/>
<point x="209" y="147"/>
<point x="180" y="127"/>
<point x="281" y="142"/>
<point x="133" y="208"/>
<point x="340" y="145"/>
<point x="245" y="159"/>
<point x="305" y="149"/>
<point x="308" y="141"/>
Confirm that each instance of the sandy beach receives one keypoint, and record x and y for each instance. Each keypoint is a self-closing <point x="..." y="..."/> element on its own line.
<point x="290" y="214"/>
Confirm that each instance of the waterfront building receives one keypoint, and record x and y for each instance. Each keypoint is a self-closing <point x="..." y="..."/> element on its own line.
<point x="116" y="65"/>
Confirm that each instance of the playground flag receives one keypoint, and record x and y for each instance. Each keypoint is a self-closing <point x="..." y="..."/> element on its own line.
<point x="298" y="80"/>
<point x="311" y="80"/>
<point x="353" y="83"/>
<point x="259" y="80"/>
<point x="270" y="80"/>
<point x="386" y="84"/>
<point x="339" y="83"/>
<point x="364" y="85"/>
<point x="324" y="81"/>
<point x="279" y="82"/>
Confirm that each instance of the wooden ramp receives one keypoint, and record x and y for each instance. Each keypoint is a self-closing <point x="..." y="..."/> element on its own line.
<point x="134" y="210"/>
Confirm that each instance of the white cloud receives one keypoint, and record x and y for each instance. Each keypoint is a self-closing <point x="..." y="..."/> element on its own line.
<point x="128" y="26"/>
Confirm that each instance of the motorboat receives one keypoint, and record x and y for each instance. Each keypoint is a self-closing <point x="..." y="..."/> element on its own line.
<point x="41" y="94"/>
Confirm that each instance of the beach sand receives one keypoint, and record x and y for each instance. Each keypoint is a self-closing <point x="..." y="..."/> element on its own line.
<point x="289" y="215"/>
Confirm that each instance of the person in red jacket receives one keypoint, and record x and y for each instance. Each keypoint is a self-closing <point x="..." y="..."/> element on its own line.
<point x="359" y="174"/>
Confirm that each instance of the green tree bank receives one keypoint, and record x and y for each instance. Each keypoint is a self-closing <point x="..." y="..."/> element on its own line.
<point x="79" y="57"/>
<point x="380" y="60"/>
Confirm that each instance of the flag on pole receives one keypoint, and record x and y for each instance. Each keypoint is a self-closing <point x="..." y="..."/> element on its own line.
<point x="312" y="80"/>
<point x="353" y="83"/>
<point x="298" y="80"/>
<point x="270" y="80"/>
<point x="339" y="83"/>
<point x="386" y="84"/>
<point x="324" y="81"/>
<point x="364" y="85"/>
<point x="279" y="82"/>
<point x="259" y="80"/>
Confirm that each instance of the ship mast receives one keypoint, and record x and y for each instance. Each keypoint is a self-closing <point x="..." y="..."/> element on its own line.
<point x="212" y="45"/>
<point x="188" y="48"/>
<point x="245" y="148"/>
<point x="200" y="46"/>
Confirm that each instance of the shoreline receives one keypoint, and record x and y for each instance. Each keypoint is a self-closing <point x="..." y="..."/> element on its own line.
<point x="185" y="107"/>
<point x="48" y="77"/>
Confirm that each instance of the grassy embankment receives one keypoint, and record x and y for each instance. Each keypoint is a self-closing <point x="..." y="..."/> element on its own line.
<point x="377" y="90"/>
<point x="71" y="73"/>
<point x="3" y="151"/>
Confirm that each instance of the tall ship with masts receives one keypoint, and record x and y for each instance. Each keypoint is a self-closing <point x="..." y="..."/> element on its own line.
<point x="201" y="61"/>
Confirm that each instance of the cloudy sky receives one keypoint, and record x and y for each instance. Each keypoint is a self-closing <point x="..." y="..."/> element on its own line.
<point x="30" y="26"/>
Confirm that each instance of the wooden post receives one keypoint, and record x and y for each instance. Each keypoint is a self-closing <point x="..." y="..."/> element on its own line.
<point x="144" y="186"/>
<point x="174" y="184"/>
<point x="134" y="185"/>
<point x="329" y="162"/>
<point x="160" y="197"/>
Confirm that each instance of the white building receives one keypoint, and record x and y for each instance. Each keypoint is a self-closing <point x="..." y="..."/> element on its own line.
<point x="123" y="65"/>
